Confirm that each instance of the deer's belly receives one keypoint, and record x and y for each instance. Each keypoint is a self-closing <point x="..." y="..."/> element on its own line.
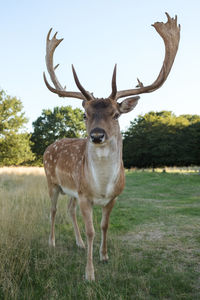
<point x="69" y="192"/>
<point x="101" y="201"/>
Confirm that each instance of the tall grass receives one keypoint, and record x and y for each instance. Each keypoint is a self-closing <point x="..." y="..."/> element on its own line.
<point x="22" y="217"/>
<point x="153" y="241"/>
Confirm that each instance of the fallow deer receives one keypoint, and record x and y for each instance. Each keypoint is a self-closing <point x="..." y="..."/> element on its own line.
<point x="91" y="170"/>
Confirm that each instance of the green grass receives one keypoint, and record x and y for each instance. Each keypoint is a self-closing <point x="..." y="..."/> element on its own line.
<point x="153" y="241"/>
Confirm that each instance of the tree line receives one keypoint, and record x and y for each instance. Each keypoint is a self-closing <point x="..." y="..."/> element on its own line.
<point x="162" y="139"/>
<point x="154" y="139"/>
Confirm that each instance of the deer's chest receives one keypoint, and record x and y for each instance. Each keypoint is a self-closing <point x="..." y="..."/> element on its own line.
<point x="104" y="175"/>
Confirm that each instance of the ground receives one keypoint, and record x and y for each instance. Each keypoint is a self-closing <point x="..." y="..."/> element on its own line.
<point x="153" y="240"/>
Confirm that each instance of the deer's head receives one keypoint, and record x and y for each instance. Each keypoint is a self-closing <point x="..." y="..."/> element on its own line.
<point x="101" y="115"/>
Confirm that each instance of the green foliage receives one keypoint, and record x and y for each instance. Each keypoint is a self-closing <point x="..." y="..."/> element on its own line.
<point x="55" y="124"/>
<point x="162" y="139"/>
<point x="11" y="115"/>
<point x="14" y="144"/>
<point x="15" y="149"/>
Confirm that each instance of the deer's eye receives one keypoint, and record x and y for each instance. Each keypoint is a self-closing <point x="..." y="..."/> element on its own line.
<point x="116" y="116"/>
<point x="84" y="117"/>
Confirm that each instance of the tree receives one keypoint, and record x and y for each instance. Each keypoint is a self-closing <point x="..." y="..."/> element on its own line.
<point x="14" y="143"/>
<point x="162" y="139"/>
<point x="55" y="124"/>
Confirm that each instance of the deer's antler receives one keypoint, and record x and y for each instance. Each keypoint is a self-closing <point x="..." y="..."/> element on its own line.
<point x="51" y="45"/>
<point x="170" y="34"/>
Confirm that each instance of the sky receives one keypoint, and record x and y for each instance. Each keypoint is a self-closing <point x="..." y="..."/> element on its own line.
<point x="97" y="34"/>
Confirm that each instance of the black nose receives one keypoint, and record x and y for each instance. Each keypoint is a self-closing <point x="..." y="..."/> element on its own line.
<point x="97" y="135"/>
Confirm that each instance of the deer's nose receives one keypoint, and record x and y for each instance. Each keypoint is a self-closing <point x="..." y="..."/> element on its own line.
<point x="97" y="135"/>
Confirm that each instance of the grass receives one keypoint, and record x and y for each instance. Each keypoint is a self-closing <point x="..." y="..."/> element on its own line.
<point x="153" y="240"/>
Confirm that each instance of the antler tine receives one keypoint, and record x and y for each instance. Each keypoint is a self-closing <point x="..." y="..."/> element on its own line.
<point x="87" y="95"/>
<point x="51" y="45"/>
<point x="170" y="34"/>
<point x="114" y="85"/>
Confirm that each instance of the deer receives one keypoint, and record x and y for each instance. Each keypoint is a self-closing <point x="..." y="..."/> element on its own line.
<point x="90" y="170"/>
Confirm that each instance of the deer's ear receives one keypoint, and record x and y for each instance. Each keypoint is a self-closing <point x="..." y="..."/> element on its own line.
<point x="128" y="104"/>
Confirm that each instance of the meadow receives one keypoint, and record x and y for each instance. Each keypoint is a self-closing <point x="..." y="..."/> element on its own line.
<point x="153" y="241"/>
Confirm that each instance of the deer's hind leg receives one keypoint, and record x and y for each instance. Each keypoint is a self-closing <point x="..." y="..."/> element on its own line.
<point x="53" y="193"/>
<point x="72" y="212"/>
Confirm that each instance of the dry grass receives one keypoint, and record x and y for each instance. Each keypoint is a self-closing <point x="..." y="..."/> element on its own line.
<point x="22" y="210"/>
<point x="22" y="171"/>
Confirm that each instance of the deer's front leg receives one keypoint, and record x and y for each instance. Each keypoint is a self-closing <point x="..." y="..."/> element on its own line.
<point x="86" y="210"/>
<point x="104" y="227"/>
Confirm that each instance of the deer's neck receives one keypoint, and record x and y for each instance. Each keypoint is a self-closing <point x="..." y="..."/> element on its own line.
<point x="108" y="152"/>
<point x="104" y="165"/>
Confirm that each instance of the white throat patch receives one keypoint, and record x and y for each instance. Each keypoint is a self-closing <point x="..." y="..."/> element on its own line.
<point x="105" y="162"/>
<point x="102" y="152"/>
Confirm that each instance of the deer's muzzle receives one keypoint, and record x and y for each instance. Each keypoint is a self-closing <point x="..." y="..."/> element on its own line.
<point x="97" y="135"/>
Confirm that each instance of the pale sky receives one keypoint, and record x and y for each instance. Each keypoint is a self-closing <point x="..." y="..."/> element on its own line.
<point x="98" y="34"/>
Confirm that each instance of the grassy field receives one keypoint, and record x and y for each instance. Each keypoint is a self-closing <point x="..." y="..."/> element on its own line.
<point x="154" y="241"/>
